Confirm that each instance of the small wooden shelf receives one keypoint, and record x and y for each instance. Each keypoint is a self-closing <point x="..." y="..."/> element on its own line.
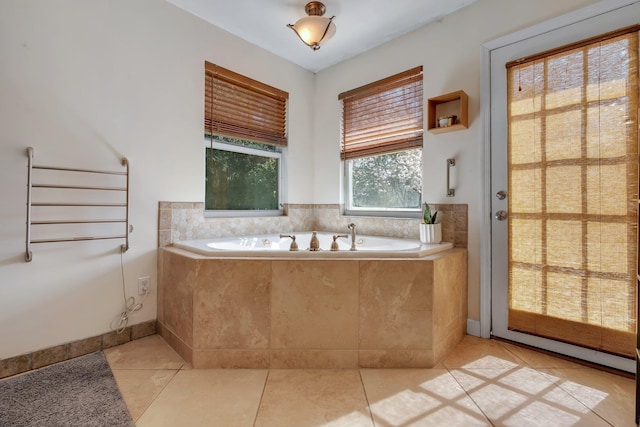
<point x="454" y="103"/>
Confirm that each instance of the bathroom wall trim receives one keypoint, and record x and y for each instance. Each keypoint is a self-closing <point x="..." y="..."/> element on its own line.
<point x="59" y="353"/>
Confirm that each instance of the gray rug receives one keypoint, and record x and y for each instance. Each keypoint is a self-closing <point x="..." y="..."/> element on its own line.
<point x="77" y="392"/>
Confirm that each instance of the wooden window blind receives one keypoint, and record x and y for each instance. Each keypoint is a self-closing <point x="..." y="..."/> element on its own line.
<point x="573" y="187"/>
<point x="238" y="107"/>
<point x="383" y="116"/>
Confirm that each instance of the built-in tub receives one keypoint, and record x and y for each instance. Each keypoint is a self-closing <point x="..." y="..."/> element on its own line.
<point x="272" y="245"/>
<point x="404" y="306"/>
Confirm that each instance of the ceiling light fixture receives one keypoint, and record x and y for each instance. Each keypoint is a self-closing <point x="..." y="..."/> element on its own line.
<point x="314" y="30"/>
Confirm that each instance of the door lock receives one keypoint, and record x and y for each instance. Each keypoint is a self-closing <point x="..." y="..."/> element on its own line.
<point x="501" y="195"/>
<point x="501" y="215"/>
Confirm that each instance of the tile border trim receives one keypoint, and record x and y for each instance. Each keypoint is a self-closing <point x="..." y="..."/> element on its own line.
<point x="59" y="353"/>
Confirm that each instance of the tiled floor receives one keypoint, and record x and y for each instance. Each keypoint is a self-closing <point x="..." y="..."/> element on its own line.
<point x="481" y="383"/>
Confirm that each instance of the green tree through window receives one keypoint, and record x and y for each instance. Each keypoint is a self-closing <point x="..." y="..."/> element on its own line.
<point x="391" y="180"/>
<point x="242" y="180"/>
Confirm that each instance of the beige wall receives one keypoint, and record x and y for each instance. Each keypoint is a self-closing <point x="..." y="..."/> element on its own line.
<point x="86" y="82"/>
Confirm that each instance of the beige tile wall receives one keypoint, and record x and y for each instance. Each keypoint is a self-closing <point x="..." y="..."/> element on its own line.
<point x="314" y="305"/>
<point x="231" y="305"/>
<point x="185" y="221"/>
<point x="315" y="313"/>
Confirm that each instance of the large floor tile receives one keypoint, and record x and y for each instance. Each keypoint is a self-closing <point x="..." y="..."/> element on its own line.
<point x="140" y="387"/>
<point x="419" y="397"/>
<point x="327" y="398"/>
<point x="146" y="353"/>
<point x="610" y="396"/>
<point x="202" y="397"/>
<point x="479" y="353"/>
<point x="521" y="396"/>
<point x="510" y="385"/>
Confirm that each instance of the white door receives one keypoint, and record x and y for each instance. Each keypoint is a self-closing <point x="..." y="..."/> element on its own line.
<point x="549" y="38"/>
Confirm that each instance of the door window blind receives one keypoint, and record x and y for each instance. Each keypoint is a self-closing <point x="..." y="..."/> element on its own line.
<point x="573" y="190"/>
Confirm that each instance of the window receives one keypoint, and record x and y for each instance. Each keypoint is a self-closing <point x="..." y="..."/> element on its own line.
<point x="245" y="139"/>
<point x="382" y="127"/>
<point x="242" y="176"/>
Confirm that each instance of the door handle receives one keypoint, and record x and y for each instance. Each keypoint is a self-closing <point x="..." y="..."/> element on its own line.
<point x="451" y="192"/>
<point x="501" y="215"/>
<point x="501" y="195"/>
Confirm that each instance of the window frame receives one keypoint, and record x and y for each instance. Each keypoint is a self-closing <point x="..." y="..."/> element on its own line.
<point x="279" y="154"/>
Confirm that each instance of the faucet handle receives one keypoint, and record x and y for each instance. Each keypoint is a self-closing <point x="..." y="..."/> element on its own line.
<point x="294" y="245"/>
<point x="334" y="244"/>
<point x="314" y="244"/>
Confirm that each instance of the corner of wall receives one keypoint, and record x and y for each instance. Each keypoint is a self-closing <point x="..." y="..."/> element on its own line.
<point x="473" y="327"/>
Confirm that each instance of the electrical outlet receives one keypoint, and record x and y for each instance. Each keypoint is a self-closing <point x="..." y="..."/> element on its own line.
<point x="143" y="285"/>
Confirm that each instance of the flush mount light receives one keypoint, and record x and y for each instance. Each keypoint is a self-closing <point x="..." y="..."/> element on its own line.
<point x="314" y="30"/>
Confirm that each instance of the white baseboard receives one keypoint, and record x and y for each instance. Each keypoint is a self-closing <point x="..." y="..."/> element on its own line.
<point x="473" y="327"/>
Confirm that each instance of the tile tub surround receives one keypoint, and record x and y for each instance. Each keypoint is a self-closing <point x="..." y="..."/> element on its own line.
<point x="312" y="313"/>
<point x="186" y="221"/>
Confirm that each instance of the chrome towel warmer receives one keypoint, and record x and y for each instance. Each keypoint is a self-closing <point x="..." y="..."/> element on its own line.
<point x="30" y="185"/>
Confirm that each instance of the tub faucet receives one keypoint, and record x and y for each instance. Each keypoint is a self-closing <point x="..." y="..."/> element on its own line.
<point x="352" y="227"/>
<point x="294" y="245"/>
<point x="314" y="245"/>
<point x="334" y="244"/>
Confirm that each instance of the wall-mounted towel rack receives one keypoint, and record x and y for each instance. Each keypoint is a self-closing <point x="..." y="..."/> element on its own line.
<point x="87" y="219"/>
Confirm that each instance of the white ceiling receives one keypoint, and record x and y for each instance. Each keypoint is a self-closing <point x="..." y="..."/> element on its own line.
<point x="361" y="24"/>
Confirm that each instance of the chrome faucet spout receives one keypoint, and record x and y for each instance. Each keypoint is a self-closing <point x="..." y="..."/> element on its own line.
<point x="352" y="227"/>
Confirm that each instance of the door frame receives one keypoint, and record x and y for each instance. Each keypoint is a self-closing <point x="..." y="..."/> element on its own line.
<point x="559" y="22"/>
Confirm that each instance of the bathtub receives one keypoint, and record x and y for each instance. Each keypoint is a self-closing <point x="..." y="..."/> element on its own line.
<point x="271" y="308"/>
<point x="271" y="245"/>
